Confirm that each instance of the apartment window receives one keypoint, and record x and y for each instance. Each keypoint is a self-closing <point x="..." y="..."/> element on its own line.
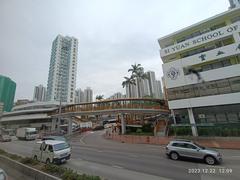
<point x="217" y="26"/>
<point x="188" y="92"/>
<point x="235" y="19"/>
<point x="235" y="84"/>
<point x="232" y="117"/>
<point x="211" y="118"/>
<point x="226" y="62"/>
<point x="179" y="93"/>
<point x="223" y="86"/>
<point x="211" y="88"/>
<point x="171" y="94"/>
<point x="206" y="67"/>
<point x="221" y="117"/>
<point x="223" y="42"/>
<point x="217" y="65"/>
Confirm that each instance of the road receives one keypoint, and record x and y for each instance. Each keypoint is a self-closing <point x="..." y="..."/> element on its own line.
<point x="92" y="154"/>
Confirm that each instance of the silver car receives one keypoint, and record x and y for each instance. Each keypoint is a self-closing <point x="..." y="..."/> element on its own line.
<point x="185" y="148"/>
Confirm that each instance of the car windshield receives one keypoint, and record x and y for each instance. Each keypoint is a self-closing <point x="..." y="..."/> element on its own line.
<point x="60" y="146"/>
<point x="202" y="147"/>
<point x="59" y="138"/>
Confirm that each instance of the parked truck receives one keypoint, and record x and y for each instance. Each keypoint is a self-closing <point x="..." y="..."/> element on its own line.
<point x="26" y="133"/>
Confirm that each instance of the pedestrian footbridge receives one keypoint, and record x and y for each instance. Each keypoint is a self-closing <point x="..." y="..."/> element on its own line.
<point x="128" y="112"/>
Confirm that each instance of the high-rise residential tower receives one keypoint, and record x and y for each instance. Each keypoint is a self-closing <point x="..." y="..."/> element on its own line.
<point x="7" y="93"/>
<point x="131" y="91"/>
<point x="63" y="69"/>
<point x="40" y="93"/>
<point x="143" y="88"/>
<point x="88" y="95"/>
<point x="159" y="93"/>
<point x="79" y="96"/>
<point x="117" y="95"/>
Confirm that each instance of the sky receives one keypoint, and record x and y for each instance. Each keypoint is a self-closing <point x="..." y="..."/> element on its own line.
<point x="112" y="35"/>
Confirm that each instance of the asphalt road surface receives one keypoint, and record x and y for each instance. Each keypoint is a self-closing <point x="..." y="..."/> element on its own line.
<point x="92" y="154"/>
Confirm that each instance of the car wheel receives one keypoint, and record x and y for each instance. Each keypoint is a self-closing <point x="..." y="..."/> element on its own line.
<point x="174" y="155"/>
<point x="210" y="160"/>
<point x="48" y="161"/>
<point x="35" y="158"/>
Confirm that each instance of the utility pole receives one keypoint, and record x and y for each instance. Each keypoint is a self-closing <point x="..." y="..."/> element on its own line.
<point x="60" y="106"/>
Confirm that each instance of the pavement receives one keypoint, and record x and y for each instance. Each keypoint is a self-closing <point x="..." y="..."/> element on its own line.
<point x="92" y="154"/>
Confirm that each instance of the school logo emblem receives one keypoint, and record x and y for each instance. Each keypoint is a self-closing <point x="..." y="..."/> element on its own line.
<point x="173" y="73"/>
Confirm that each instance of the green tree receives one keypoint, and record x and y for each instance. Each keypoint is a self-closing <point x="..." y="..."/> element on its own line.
<point x="99" y="97"/>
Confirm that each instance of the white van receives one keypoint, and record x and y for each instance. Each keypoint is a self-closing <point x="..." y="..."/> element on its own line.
<point x="51" y="151"/>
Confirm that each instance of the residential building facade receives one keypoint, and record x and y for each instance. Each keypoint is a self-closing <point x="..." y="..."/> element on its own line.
<point x="117" y="95"/>
<point x="201" y="66"/>
<point x="63" y="69"/>
<point x="40" y="93"/>
<point x="131" y="91"/>
<point x="149" y="87"/>
<point x="158" y="94"/>
<point x="79" y="96"/>
<point x="88" y="95"/>
<point x="7" y="92"/>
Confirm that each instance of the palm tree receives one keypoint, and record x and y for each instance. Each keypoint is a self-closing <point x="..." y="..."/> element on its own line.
<point x="99" y="97"/>
<point x="135" y="68"/>
<point x="128" y="82"/>
<point x="138" y="74"/>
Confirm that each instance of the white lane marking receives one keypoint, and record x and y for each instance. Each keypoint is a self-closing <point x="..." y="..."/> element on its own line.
<point x="99" y="151"/>
<point x="116" y="166"/>
<point x="232" y="156"/>
<point x="133" y="156"/>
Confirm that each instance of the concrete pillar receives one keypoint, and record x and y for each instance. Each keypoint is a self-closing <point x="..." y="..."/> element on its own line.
<point x="236" y="36"/>
<point x="69" y="126"/>
<point x="123" y="124"/>
<point x="53" y="127"/>
<point x="173" y="115"/>
<point x="58" y="122"/>
<point x="192" y="122"/>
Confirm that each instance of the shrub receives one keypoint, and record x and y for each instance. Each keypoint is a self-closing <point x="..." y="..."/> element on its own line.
<point x="28" y="160"/>
<point x="2" y="152"/>
<point x="14" y="157"/>
<point x="147" y="128"/>
<point x="235" y="132"/>
<point x="67" y="174"/>
<point x="183" y="131"/>
<point x="218" y="131"/>
<point x="139" y="130"/>
<point x="54" y="169"/>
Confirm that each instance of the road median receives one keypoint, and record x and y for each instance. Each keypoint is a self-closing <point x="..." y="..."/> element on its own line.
<point x="39" y="171"/>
